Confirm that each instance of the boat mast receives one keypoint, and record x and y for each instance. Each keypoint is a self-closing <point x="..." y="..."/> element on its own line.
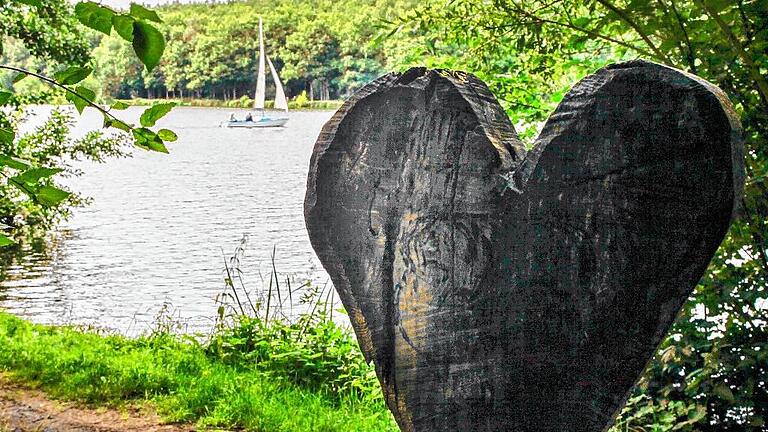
<point x="258" y="102"/>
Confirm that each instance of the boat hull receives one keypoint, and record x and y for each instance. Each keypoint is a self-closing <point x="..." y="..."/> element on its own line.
<point x="258" y="123"/>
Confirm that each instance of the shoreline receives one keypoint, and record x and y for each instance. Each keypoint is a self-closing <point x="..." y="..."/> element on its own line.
<point x="243" y="103"/>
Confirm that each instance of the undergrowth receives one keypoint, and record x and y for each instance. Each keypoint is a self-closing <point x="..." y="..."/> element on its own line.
<point x="267" y="366"/>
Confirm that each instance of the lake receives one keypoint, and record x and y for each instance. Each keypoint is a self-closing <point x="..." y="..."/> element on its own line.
<point x="160" y="226"/>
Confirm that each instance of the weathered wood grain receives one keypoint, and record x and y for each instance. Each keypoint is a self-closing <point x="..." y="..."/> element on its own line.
<point x="503" y="290"/>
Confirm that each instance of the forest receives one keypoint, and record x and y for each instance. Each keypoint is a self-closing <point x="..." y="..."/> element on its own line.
<point x="318" y="47"/>
<point x="711" y="371"/>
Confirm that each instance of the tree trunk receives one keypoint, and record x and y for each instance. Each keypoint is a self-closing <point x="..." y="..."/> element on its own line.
<point x="311" y="90"/>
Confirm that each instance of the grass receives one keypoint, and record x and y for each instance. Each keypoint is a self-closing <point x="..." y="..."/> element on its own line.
<point x="258" y="370"/>
<point x="243" y="102"/>
<point x="186" y="381"/>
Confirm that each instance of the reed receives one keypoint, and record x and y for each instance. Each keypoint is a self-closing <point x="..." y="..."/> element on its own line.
<point x="305" y="346"/>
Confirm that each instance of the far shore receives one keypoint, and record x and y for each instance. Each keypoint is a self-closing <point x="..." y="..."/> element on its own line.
<point x="295" y="105"/>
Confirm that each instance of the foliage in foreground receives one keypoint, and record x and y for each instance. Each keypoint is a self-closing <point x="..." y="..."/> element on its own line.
<point x="225" y="384"/>
<point x="50" y="144"/>
<point x="711" y="372"/>
<point x="46" y="29"/>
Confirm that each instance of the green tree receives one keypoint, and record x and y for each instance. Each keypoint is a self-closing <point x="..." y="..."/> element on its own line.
<point x="710" y="374"/>
<point x="46" y="27"/>
<point x="212" y="48"/>
<point x="46" y="30"/>
<point x="51" y="145"/>
<point x="310" y="55"/>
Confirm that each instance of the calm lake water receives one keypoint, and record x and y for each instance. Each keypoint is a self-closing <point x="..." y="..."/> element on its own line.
<point x="160" y="226"/>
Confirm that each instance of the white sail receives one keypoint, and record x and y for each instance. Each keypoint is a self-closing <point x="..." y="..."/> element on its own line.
<point x="280" y="101"/>
<point x="261" y="78"/>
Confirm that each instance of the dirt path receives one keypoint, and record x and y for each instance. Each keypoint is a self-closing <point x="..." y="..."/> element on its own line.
<point x="26" y="410"/>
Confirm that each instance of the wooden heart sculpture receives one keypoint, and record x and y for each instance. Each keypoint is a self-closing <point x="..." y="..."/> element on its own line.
<point x="499" y="289"/>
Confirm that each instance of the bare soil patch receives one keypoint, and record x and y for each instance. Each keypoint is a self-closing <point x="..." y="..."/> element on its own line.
<point x="27" y="410"/>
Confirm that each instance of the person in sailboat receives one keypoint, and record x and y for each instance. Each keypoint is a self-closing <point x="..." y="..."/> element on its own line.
<point x="248" y="117"/>
<point x="232" y="117"/>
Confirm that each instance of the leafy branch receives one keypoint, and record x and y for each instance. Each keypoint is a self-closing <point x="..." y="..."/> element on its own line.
<point x="624" y="16"/>
<point x="760" y="82"/>
<point x="148" y="43"/>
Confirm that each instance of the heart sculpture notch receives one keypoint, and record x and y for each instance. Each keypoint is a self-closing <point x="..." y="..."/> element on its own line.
<point x="499" y="289"/>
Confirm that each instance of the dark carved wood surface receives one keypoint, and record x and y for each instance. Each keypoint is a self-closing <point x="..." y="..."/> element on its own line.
<point x="499" y="289"/>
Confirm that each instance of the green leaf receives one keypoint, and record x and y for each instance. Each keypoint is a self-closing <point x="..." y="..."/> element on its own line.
<point x="697" y="414"/>
<point x="12" y="162"/>
<point x="20" y="76"/>
<point x="149" y="140"/>
<point x="724" y="392"/>
<point x="7" y="135"/>
<point x="86" y="93"/>
<point x="581" y="22"/>
<point x="148" y="44"/>
<point x="32" y="176"/>
<point x="5" y="241"/>
<point x="119" y="105"/>
<point x="123" y="26"/>
<point x="154" y="113"/>
<point x="21" y="186"/>
<point x="141" y="12"/>
<point x="158" y="146"/>
<point x="4" y="97"/>
<point x="95" y="16"/>
<point x="49" y="196"/>
<point x="115" y="123"/>
<point x="78" y="99"/>
<point x="72" y="75"/>
<point x="123" y="126"/>
<point x="167" y="135"/>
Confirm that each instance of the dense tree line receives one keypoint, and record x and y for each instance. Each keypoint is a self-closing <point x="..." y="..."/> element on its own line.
<point x="322" y="47"/>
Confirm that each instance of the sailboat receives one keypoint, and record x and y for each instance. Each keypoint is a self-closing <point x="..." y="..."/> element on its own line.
<point x="281" y="102"/>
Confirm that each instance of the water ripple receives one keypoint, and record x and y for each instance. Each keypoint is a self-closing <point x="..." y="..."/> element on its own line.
<point x="158" y="224"/>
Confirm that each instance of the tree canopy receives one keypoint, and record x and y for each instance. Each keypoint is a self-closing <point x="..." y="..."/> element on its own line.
<point x="323" y="47"/>
<point x="711" y="372"/>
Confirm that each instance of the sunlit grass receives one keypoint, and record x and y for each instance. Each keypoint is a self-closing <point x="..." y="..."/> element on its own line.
<point x="262" y="367"/>
<point x="185" y="380"/>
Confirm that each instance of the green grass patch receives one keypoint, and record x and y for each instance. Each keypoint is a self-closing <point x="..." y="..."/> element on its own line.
<point x="255" y="375"/>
